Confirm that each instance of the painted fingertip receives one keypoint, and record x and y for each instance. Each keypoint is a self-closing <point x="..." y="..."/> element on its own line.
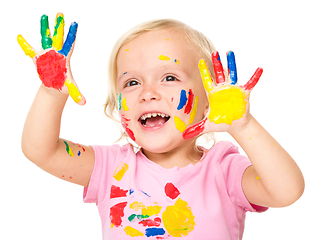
<point x="57" y="40"/>
<point x="232" y="67"/>
<point x="217" y="66"/>
<point x="73" y="91"/>
<point x="28" y="50"/>
<point x="205" y="75"/>
<point x="254" y="79"/>
<point x="70" y="39"/>
<point x="45" y="33"/>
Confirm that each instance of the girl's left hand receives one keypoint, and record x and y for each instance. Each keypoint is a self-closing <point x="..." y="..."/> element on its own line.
<point x="228" y="101"/>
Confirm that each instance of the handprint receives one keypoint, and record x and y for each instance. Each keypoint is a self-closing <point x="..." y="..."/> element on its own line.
<point x="228" y="101"/>
<point x="53" y="60"/>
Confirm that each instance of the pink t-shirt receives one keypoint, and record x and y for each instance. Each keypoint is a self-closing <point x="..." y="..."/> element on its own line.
<point x="139" y="199"/>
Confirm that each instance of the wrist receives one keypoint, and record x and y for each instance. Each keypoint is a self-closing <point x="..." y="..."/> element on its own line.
<point x="240" y="129"/>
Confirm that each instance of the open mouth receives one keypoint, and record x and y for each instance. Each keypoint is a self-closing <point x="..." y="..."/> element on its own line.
<point x="152" y="120"/>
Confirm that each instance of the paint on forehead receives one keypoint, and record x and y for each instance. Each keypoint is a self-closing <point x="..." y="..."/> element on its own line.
<point x="176" y="61"/>
<point x="183" y="100"/>
<point x="164" y="58"/>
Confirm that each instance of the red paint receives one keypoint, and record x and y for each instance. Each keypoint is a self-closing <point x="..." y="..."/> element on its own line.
<point x="254" y="79"/>
<point x="130" y="134"/>
<point x="125" y="126"/>
<point x="151" y="223"/>
<point x="116" y="213"/>
<point x="51" y="68"/>
<point x="189" y="102"/>
<point x="70" y="177"/>
<point x="117" y="192"/>
<point x="63" y="175"/>
<point x="171" y="191"/>
<point x="217" y="66"/>
<point x="195" y="129"/>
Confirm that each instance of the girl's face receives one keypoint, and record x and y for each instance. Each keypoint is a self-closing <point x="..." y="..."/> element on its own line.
<point x="160" y="90"/>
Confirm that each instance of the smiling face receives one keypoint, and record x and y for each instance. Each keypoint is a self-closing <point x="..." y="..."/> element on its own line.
<point x="160" y="90"/>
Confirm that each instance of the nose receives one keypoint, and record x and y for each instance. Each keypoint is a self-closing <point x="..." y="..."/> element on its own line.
<point x="149" y="92"/>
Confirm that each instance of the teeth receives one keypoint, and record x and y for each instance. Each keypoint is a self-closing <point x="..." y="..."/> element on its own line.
<point x="149" y="115"/>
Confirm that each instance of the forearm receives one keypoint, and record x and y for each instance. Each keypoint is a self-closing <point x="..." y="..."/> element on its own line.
<point x="278" y="172"/>
<point x="42" y="125"/>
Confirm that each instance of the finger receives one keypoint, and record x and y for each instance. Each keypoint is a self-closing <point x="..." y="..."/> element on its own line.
<point x="205" y="75"/>
<point x="44" y="31"/>
<point x="254" y="79"/>
<point x="74" y="92"/>
<point x="218" y="69"/>
<point x="70" y="39"/>
<point x="58" y="33"/>
<point x="29" y="51"/>
<point x="232" y="67"/>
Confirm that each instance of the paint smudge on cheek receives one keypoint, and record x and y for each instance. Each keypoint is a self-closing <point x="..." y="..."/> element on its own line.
<point x="179" y="124"/>
<point x="190" y="102"/>
<point x="194" y="111"/>
<point x="124" y="104"/>
<point x="120" y="171"/>
<point x="116" y="214"/>
<point x="178" y="219"/>
<point x="125" y="126"/>
<point x="119" y="102"/>
<point x="182" y="100"/>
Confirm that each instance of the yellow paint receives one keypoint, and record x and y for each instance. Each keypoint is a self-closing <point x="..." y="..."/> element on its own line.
<point x="205" y="75"/>
<point x="178" y="219"/>
<point x="180" y="125"/>
<point x="166" y="39"/>
<point x="73" y="91"/>
<point x="137" y="205"/>
<point x="257" y="178"/>
<point x="120" y="171"/>
<point x="164" y="58"/>
<point x="58" y="35"/>
<point x="124" y="104"/>
<point x="177" y="61"/>
<point x="127" y="50"/>
<point x="227" y="103"/>
<point x="133" y="232"/>
<point x="25" y="46"/>
<point x="193" y="111"/>
<point x="151" y="210"/>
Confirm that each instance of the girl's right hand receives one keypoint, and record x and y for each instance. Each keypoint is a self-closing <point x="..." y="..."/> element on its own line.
<point x="53" y="60"/>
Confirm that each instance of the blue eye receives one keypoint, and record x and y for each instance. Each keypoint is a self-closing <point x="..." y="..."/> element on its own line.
<point x="169" y="78"/>
<point x="131" y="83"/>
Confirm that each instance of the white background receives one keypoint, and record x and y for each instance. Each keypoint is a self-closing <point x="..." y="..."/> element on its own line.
<point x="276" y="35"/>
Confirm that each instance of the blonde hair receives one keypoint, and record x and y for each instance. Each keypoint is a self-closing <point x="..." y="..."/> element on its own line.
<point x="200" y="41"/>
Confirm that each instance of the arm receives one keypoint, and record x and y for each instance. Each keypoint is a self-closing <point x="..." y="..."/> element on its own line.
<point x="40" y="139"/>
<point x="280" y="182"/>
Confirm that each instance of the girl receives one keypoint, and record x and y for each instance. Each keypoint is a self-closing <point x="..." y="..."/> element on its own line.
<point x="170" y="187"/>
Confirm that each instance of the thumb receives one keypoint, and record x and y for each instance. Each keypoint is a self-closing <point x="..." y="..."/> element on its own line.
<point x="74" y="92"/>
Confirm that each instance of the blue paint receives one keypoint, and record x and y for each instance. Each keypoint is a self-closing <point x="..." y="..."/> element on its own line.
<point x="79" y="153"/>
<point x="131" y="191"/>
<point x="149" y="232"/>
<point x="183" y="100"/>
<point x="70" y="39"/>
<point x="232" y="67"/>
<point x="146" y="193"/>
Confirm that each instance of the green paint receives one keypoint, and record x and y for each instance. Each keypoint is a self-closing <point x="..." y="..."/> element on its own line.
<point x="68" y="149"/>
<point x="59" y="21"/>
<point x="140" y="217"/>
<point x="119" y="102"/>
<point x="45" y="33"/>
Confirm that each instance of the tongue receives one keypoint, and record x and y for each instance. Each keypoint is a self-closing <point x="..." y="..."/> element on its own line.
<point x="155" y="121"/>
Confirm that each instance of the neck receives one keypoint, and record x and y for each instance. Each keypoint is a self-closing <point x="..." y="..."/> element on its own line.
<point x="180" y="157"/>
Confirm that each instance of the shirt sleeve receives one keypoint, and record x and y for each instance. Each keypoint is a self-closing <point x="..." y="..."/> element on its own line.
<point x="233" y="165"/>
<point x="105" y="158"/>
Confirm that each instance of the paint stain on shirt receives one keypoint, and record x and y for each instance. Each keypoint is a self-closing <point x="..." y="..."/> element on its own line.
<point x="120" y="171"/>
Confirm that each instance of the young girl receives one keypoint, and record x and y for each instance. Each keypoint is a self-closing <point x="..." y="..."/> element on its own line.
<point x="170" y="187"/>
